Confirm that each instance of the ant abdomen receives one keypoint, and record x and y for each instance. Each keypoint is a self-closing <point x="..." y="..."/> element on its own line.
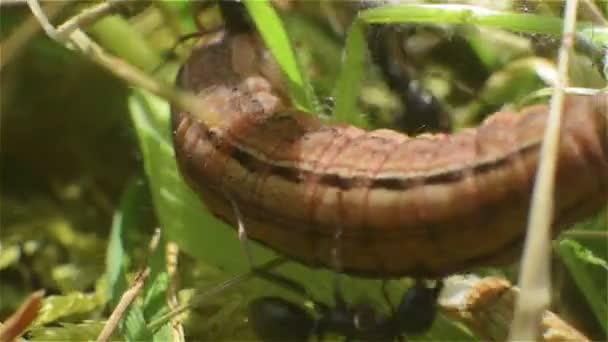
<point x="277" y="319"/>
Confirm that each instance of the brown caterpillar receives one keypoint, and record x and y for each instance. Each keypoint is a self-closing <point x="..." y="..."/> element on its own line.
<point x="374" y="203"/>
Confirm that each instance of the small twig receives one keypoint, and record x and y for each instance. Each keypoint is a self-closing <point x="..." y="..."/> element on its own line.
<point x="87" y="17"/>
<point x="37" y="12"/>
<point x="19" y="321"/>
<point x="124" y="70"/>
<point x="586" y="234"/>
<point x="172" y="253"/>
<point x="14" y="44"/>
<point x="549" y="91"/>
<point x="129" y="296"/>
<point x="534" y="278"/>
<point x="12" y="3"/>
<point x="125" y="301"/>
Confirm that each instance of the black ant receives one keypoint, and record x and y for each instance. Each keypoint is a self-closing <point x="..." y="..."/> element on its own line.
<point x="278" y="319"/>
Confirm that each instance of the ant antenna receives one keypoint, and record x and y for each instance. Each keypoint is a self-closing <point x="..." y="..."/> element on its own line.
<point x="288" y="284"/>
<point x="200" y="298"/>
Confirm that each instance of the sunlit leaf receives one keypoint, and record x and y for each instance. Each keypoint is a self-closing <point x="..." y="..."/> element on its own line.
<point x="134" y="325"/>
<point x="464" y="14"/>
<point x="55" y="308"/>
<point x="83" y="331"/>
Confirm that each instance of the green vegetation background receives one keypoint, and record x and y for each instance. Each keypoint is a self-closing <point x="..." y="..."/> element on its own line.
<point x="87" y="170"/>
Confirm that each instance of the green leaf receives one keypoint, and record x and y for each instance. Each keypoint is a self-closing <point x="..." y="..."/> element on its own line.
<point x="179" y="14"/>
<point x="593" y="42"/>
<point x="155" y="297"/>
<point x="596" y="34"/>
<point x="165" y="333"/>
<point x="84" y="331"/>
<point x="155" y="300"/>
<point x="118" y="35"/>
<point x="271" y="29"/>
<point x="590" y="273"/>
<point x="133" y="325"/>
<point x="58" y="307"/>
<point x="127" y="217"/>
<point x="351" y="75"/>
<point x="463" y="14"/>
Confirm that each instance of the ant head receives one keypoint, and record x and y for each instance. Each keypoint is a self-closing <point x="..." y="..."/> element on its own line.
<point x="277" y="319"/>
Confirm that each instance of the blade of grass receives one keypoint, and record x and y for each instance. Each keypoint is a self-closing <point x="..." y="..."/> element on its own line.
<point x="464" y="14"/>
<point x="351" y="75"/>
<point x="271" y="29"/>
<point x="134" y="325"/>
<point x="127" y="217"/>
<point x="155" y="292"/>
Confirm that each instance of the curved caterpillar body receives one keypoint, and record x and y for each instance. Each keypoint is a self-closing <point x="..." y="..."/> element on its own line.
<point x="374" y="203"/>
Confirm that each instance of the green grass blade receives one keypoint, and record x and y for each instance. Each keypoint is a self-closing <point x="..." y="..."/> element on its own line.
<point x="271" y="29"/>
<point x="60" y="307"/>
<point x="127" y="217"/>
<point x="134" y="325"/>
<point x="155" y="294"/>
<point x="351" y="75"/>
<point x="463" y="14"/>
<point x="82" y="331"/>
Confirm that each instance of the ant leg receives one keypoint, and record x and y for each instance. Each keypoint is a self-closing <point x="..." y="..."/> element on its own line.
<point x="202" y="297"/>
<point x="290" y="285"/>
<point x="242" y="234"/>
